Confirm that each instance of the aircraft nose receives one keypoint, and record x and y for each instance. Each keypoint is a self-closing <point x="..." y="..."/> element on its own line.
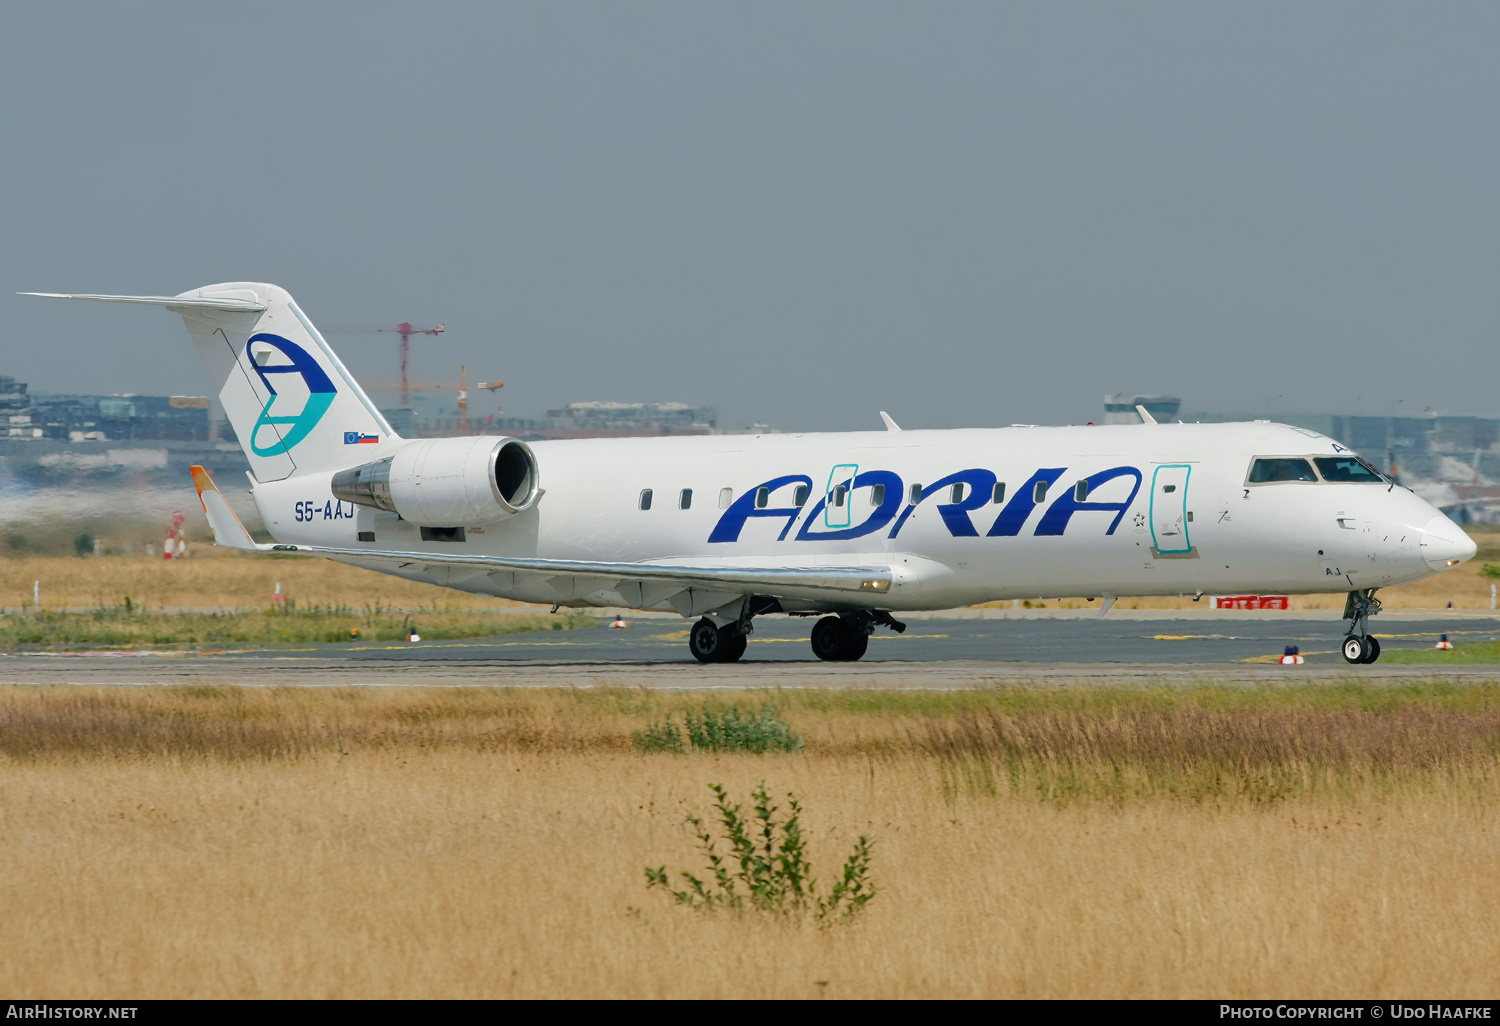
<point x="1444" y="544"/>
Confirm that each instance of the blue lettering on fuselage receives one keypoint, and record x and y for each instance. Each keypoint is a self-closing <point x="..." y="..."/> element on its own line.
<point x="733" y="520"/>
<point x="978" y="487"/>
<point x="981" y="486"/>
<point x="1013" y="516"/>
<point x="879" y="515"/>
<point x="1055" y="520"/>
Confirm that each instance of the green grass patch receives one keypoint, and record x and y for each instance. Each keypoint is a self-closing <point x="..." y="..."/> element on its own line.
<point x="719" y="728"/>
<point x="1462" y="654"/>
<point x="125" y="627"/>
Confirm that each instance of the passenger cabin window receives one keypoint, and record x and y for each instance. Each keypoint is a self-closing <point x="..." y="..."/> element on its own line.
<point x="762" y="498"/>
<point x="1281" y="468"/>
<point x="799" y="497"/>
<point x="1081" y="491"/>
<point x="877" y="495"/>
<point x="956" y="493"/>
<point x="685" y="500"/>
<point x="914" y="494"/>
<point x="1039" y="493"/>
<point x="999" y="496"/>
<point x="726" y="496"/>
<point x="838" y="495"/>
<point x="645" y="498"/>
<point x="1347" y="469"/>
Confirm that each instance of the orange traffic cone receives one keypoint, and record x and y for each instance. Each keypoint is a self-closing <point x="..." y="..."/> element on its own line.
<point x="1444" y="643"/>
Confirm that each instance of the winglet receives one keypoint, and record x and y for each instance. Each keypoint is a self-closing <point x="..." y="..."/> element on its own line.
<point x="1146" y="417"/>
<point x="890" y="425"/>
<point x="228" y="531"/>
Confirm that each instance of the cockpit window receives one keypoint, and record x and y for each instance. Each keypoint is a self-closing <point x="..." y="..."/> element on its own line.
<point x="1281" y="468"/>
<point x="1348" y="468"/>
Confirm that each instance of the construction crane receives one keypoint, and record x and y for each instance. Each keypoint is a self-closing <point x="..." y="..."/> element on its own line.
<point x="406" y="331"/>
<point x="461" y="386"/>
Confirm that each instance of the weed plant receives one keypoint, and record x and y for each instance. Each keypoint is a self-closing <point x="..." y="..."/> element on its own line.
<point x="721" y="730"/>
<point x="766" y="868"/>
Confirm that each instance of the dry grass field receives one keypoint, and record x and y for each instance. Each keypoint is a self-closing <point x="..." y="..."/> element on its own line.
<point x="217" y="579"/>
<point x="1315" y="841"/>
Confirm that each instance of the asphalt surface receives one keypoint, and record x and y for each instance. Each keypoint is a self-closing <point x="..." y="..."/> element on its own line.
<point x="1073" y="640"/>
<point x="935" y="652"/>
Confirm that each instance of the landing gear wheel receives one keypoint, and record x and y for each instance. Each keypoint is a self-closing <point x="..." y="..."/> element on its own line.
<point x="828" y="638"/>
<point x="733" y="645"/>
<point x="711" y="644"/>
<point x="1357" y="650"/>
<point x="1372" y="649"/>
<point x="704" y="641"/>
<point x="836" y="640"/>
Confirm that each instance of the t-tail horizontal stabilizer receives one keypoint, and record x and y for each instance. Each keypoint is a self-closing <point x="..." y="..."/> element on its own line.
<point x="228" y="531"/>
<point x="185" y="302"/>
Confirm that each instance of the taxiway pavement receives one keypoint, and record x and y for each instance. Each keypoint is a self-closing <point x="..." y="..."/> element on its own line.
<point x="937" y="651"/>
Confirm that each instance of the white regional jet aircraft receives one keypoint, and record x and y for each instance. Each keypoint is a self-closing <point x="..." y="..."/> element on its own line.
<point x="855" y="526"/>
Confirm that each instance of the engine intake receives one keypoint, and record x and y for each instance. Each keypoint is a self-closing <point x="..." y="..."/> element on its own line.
<point x="446" y="482"/>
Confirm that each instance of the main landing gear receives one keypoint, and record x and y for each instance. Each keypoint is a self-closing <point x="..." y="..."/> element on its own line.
<point x="844" y="638"/>
<point x="840" y="639"/>
<point x="711" y="644"/>
<point x="1361" y="646"/>
<point x="837" y="639"/>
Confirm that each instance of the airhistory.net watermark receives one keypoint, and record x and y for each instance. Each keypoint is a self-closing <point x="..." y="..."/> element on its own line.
<point x="44" y="1010"/>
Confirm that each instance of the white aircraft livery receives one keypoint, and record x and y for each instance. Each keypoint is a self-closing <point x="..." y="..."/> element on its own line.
<point x="853" y="527"/>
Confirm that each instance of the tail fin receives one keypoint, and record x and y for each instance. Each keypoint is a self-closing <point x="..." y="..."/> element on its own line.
<point x="291" y="402"/>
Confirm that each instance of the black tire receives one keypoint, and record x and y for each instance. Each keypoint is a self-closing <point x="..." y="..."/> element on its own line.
<point x="1354" y="649"/>
<point x="828" y="638"/>
<point x="732" y="645"/>
<point x="1372" y="649"/>
<point x="837" y="640"/>
<point x="705" y="641"/>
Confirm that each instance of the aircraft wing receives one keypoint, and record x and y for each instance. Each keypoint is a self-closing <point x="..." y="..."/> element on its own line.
<point x="691" y="588"/>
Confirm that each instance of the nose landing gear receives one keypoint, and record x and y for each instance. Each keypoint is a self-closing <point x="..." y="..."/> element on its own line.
<point x="1361" y="650"/>
<point x="1361" y="646"/>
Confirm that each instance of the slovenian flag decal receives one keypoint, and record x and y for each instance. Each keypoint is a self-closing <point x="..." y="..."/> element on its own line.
<point x="355" y="438"/>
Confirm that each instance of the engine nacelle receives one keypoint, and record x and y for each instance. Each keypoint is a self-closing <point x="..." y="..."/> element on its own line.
<point x="447" y="482"/>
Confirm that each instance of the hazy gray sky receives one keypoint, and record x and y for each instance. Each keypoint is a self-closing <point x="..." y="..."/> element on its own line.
<point x="963" y="213"/>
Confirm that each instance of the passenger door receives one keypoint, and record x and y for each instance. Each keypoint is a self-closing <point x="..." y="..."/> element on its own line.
<point x="1169" y="511"/>
<point x="838" y="500"/>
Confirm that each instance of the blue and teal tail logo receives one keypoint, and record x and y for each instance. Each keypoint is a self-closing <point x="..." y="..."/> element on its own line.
<point x="320" y="393"/>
